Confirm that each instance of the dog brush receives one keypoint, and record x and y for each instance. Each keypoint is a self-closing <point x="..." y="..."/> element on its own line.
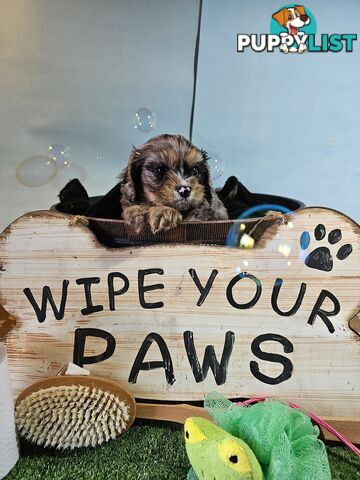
<point x="74" y="410"/>
<point x="69" y="412"/>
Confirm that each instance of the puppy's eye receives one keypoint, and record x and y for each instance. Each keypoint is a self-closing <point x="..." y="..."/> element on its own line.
<point x="160" y="171"/>
<point x="195" y="172"/>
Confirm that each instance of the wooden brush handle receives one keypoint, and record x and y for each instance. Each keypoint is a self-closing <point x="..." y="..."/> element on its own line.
<point x="170" y="413"/>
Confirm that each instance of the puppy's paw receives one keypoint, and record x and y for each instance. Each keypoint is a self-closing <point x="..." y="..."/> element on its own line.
<point x="163" y="218"/>
<point x="136" y="217"/>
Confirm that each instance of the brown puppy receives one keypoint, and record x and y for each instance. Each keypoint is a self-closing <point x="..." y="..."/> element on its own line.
<point x="167" y="180"/>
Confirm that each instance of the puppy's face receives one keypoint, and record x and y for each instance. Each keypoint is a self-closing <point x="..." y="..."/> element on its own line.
<point x="167" y="170"/>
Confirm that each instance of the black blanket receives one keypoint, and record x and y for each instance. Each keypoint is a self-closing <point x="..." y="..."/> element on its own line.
<point x="236" y="197"/>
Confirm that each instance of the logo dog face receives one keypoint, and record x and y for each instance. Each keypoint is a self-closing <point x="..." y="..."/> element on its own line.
<point x="292" y="18"/>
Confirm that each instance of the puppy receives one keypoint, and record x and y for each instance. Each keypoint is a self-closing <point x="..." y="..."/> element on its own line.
<point x="166" y="181"/>
<point x="292" y="19"/>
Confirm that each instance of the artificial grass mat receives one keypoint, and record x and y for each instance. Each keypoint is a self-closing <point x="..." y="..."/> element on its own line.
<point x="149" y="450"/>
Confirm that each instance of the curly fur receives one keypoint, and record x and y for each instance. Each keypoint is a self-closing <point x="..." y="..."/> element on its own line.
<point x="155" y="173"/>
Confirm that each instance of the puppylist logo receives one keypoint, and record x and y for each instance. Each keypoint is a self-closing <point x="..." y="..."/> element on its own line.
<point x="293" y="29"/>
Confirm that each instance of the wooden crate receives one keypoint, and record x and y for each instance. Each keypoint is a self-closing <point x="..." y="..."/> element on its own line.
<point x="175" y="321"/>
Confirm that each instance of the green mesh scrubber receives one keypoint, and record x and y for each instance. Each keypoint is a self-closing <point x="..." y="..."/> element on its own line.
<point x="283" y="439"/>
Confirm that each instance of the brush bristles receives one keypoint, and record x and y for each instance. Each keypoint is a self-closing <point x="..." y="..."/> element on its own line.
<point x="68" y="417"/>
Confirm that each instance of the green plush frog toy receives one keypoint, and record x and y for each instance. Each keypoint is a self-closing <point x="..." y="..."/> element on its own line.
<point x="215" y="454"/>
<point x="265" y="441"/>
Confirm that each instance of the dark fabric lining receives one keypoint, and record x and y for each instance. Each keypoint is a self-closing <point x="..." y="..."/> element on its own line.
<point x="104" y="215"/>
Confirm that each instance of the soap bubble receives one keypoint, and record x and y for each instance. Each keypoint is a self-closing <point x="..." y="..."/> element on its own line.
<point x="244" y="234"/>
<point x="60" y="154"/>
<point x="216" y="165"/>
<point x="241" y="234"/>
<point x="145" y="120"/>
<point x="67" y="173"/>
<point x="35" y="171"/>
<point x="246" y="241"/>
<point x="253" y="212"/>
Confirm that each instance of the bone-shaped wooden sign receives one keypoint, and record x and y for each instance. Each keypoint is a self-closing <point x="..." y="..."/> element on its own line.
<point x="172" y="322"/>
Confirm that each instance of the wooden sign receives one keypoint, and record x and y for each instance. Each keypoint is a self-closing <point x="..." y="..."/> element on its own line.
<point x="173" y="322"/>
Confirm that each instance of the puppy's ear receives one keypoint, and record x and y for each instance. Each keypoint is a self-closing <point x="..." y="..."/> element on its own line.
<point x="206" y="177"/>
<point x="131" y="178"/>
<point x="300" y="9"/>
<point x="281" y="17"/>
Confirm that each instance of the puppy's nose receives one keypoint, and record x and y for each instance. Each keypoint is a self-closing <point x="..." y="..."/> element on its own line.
<point x="184" y="191"/>
<point x="303" y="18"/>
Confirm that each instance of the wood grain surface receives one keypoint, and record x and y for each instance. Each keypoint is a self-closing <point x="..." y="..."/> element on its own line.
<point x="45" y="248"/>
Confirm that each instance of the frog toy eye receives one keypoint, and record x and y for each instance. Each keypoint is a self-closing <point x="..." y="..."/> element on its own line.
<point x="234" y="456"/>
<point x="193" y="434"/>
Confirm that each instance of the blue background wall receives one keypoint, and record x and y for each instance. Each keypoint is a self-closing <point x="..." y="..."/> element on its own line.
<point x="284" y="124"/>
<point x="74" y="72"/>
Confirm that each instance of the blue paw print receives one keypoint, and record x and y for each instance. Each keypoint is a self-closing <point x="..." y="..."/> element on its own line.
<point x="321" y="258"/>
